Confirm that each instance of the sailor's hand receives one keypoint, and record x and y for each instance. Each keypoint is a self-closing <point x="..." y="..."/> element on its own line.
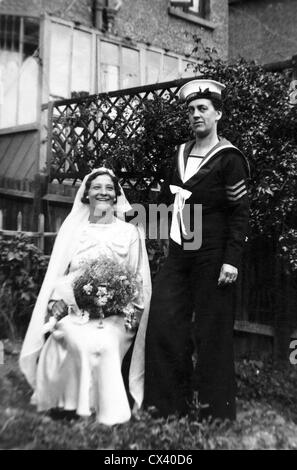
<point x="165" y="246"/>
<point x="228" y="275"/>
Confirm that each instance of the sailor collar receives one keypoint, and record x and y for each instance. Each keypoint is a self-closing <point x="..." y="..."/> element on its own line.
<point x="207" y="163"/>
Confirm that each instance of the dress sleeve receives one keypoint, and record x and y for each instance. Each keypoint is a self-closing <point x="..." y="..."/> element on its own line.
<point x="134" y="259"/>
<point x="236" y="173"/>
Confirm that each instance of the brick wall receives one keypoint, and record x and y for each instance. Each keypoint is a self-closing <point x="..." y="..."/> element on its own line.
<point x="80" y="9"/>
<point x="149" y="21"/>
<point x="263" y="30"/>
<point x="141" y="20"/>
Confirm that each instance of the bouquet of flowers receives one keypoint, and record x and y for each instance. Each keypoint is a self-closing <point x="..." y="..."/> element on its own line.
<point x="105" y="287"/>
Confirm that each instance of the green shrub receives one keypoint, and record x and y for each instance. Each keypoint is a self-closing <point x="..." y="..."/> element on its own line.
<point x="22" y="268"/>
<point x="156" y="256"/>
<point x="258" y="380"/>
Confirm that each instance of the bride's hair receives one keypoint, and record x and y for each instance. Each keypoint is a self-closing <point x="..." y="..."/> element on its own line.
<point x="94" y="175"/>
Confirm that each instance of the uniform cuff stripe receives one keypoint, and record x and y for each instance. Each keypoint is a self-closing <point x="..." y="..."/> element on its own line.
<point x="236" y="191"/>
<point x="234" y="198"/>
<point x="235" y="186"/>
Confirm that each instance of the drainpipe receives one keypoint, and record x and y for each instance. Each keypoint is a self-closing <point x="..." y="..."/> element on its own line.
<point x="104" y="12"/>
<point x="110" y="18"/>
<point x="98" y="8"/>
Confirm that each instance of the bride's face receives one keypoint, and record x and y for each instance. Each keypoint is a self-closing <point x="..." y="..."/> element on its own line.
<point x="102" y="193"/>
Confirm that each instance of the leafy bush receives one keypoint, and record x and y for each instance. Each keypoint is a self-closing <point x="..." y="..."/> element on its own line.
<point x="156" y="256"/>
<point x="22" y="268"/>
<point x="258" y="380"/>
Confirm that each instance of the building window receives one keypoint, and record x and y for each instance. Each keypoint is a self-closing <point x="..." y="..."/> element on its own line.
<point x="192" y="7"/>
<point x="59" y="62"/>
<point x="170" y="68"/>
<point x="181" y="3"/>
<point x="152" y="67"/>
<point x="199" y="7"/>
<point x="119" y="66"/>
<point x="81" y="71"/>
<point x="72" y="69"/>
<point x="198" y="11"/>
<point x="70" y="61"/>
<point x="130" y="68"/>
<point x="19" y="42"/>
<point x="74" y="60"/>
<point x="109" y="68"/>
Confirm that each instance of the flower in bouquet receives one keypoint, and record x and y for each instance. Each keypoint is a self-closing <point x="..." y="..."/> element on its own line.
<point x="131" y="320"/>
<point x="105" y="287"/>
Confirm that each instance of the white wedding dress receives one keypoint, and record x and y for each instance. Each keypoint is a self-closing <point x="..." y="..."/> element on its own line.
<point x="79" y="367"/>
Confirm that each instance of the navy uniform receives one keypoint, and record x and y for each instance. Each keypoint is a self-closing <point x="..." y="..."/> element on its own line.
<point x="188" y="282"/>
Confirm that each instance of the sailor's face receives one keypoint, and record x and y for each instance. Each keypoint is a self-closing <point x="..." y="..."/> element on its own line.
<point x="203" y="116"/>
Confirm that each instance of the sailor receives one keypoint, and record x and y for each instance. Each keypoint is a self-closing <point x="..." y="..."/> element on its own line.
<point x="209" y="177"/>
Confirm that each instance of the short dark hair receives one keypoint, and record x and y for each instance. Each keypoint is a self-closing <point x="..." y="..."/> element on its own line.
<point x="85" y="199"/>
<point x="216" y="102"/>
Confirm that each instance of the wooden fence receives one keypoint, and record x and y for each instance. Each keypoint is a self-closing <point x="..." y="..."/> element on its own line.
<point x="38" y="237"/>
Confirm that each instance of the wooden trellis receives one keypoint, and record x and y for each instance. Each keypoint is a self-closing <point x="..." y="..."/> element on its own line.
<point x="89" y="124"/>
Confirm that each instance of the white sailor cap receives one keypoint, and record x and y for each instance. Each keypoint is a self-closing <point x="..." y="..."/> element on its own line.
<point x="201" y="88"/>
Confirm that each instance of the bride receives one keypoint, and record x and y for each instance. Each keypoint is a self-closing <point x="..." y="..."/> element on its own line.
<point x="79" y="366"/>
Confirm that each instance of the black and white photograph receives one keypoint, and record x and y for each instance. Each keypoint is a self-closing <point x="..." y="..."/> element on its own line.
<point x="148" y="227"/>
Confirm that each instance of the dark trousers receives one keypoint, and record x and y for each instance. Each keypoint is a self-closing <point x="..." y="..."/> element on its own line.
<point x="185" y="284"/>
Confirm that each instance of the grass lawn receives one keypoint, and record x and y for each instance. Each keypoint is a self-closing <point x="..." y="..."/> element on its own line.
<point x="267" y="418"/>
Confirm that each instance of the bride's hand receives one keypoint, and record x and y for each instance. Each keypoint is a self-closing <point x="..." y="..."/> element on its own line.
<point x="59" y="309"/>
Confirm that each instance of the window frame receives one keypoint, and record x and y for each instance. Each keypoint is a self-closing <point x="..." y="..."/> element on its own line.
<point x="20" y="40"/>
<point x="141" y="48"/>
<point x="202" y="18"/>
<point x="44" y="93"/>
<point x="203" y="9"/>
<point x="47" y="54"/>
<point x="121" y="45"/>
